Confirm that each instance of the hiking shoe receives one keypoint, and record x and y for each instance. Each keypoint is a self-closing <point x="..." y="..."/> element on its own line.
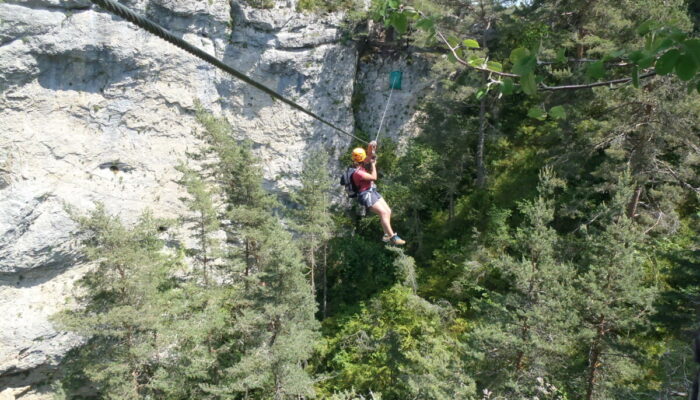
<point x="396" y="240"/>
<point x="386" y="238"/>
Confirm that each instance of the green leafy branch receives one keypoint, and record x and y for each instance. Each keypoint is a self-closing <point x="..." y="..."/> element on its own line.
<point x="667" y="50"/>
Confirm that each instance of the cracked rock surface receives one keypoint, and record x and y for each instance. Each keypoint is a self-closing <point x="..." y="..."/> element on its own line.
<point x="93" y="109"/>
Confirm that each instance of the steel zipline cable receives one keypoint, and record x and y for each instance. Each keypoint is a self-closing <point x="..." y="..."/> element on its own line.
<point x="386" y="107"/>
<point x="164" y="34"/>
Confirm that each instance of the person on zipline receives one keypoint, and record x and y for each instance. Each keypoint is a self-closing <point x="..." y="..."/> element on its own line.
<point x="369" y="197"/>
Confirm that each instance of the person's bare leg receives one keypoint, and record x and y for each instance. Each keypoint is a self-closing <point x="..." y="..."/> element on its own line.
<point x="382" y="209"/>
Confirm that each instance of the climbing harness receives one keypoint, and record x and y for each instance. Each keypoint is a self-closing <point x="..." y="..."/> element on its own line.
<point x="164" y="34"/>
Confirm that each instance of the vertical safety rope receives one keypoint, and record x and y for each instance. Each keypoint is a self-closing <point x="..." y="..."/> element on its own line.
<point x="152" y="27"/>
<point x="381" y="122"/>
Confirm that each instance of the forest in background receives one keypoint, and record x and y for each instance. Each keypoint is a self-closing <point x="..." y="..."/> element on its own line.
<point x="552" y="252"/>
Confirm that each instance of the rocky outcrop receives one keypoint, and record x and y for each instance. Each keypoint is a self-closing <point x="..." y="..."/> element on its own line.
<point x="373" y="94"/>
<point x="93" y="109"/>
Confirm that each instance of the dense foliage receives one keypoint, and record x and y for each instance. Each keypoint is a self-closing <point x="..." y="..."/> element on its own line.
<point x="552" y="253"/>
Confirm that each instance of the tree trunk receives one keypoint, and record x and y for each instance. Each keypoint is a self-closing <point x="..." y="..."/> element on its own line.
<point x="632" y="209"/>
<point x="279" y="395"/>
<point x="325" y="279"/>
<point x="480" y="167"/>
<point x="520" y="357"/>
<point x="203" y="238"/>
<point x="594" y="358"/>
<point x="246" y="273"/>
<point x="312" y="262"/>
<point x="451" y="203"/>
<point x="132" y="362"/>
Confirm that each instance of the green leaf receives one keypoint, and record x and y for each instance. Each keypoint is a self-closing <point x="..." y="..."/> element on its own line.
<point x="507" y="86"/>
<point x="661" y="44"/>
<point x="476" y="61"/>
<point x="595" y="70"/>
<point x="649" y="42"/>
<point x="646" y="62"/>
<point x="686" y="67"/>
<point x="677" y="35"/>
<point x="480" y="93"/>
<point x="537" y="113"/>
<point x="557" y="112"/>
<point x="561" y="56"/>
<point x="425" y="24"/>
<point x="615" y="54"/>
<point x="635" y="77"/>
<point x="453" y="41"/>
<point x="518" y="53"/>
<point x="471" y="44"/>
<point x="637" y="55"/>
<point x="665" y="63"/>
<point x="645" y="27"/>
<point x="400" y="22"/>
<point x="692" y="47"/>
<point x="528" y="84"/>
<point x="525" y="65"/>
<point x="494" y="66"/>
<point x="461" y="53"/>
<point x="393" y="3"/>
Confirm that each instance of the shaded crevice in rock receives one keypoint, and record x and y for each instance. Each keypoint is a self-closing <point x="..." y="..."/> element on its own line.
<point x="45" y="365"/>
<point x="116" y="166"/>
<point x="15" y="377"/>
<point x="91" y="70"/>
<point x="42" y="274"/>
<point x="62" y="5"/>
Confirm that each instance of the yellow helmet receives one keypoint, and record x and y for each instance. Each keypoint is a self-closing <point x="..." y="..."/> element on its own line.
<point x="358" y="154"/>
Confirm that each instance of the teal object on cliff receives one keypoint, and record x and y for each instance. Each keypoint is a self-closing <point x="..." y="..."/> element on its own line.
<point x="395" y="79"/>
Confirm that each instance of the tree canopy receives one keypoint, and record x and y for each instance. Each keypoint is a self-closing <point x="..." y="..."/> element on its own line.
<point x="550" y="201"/>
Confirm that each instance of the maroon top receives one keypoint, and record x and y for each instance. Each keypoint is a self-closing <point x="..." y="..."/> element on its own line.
<point x="361" y="179"/>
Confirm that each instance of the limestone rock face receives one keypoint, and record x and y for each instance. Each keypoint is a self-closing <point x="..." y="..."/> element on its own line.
<point x="94" y="109"/>
<point x="396" y="107"/>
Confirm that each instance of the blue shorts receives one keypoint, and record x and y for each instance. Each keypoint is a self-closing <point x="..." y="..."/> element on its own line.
<point x="369" y="197"/>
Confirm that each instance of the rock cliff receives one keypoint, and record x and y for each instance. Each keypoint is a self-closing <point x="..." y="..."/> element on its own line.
<point x="94" y="109"/>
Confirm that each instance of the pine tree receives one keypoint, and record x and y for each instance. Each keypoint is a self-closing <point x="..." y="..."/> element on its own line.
<point x="276" y="326"/>
<point x="271" y="328"/>
<point x="196" y="330"/>
<point x="527" y="331"/>
<point x="398" y="346"/>
<point x="248" y="206"/>
<point x="617" y="299"/>
<point x="205" y="219"/>
<point x="313" y="218"/>
<point x="405" y="269"/>
<point x="121" y="303"/>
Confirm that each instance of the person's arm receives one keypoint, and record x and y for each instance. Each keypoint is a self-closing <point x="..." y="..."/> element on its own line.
<point x="368" y="176"/>
<point x="373" y="174"/>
